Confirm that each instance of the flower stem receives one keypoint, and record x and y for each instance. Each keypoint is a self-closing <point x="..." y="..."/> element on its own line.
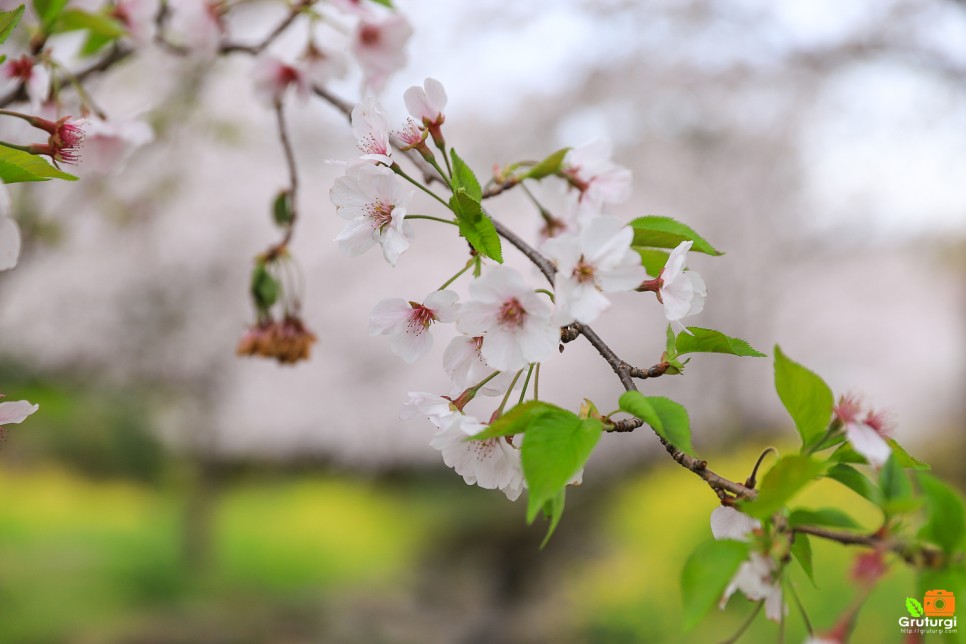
<point x="748" y="622"/>
<point x="395" y="168"/>
<point x="433" y="162"/>
<point x="469" y="265"/>
<point x="547" y="293"/>
<point x="506" y="396"/>
<point x="526" y="383"/>
<point x="449" y="168"/>
<point x="431" y="218"/>
<point x="536" y="384"/>
<point x="490" y="377"/>
<point x="23" y="148"/>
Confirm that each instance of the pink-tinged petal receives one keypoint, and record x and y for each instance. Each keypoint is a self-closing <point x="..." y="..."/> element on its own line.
<point x="12" y="413"/>
<point x="676" y="261"/>
<point x="775" y="607"/>
<point x="426" y="103"/>
<point x="443" y="304"/>
<point x="728" y="523"/>
<point x="38" y="86"/>
<point x="378" y="44"/>
<point x="9" y="243"/>
<point x="412" y="344"/>
<point x="108" y="145"/>
<point x="677" y="297"/>
<point x="435" y="408"/>
<point x="390" y="316"/>
<point x="563" y="250"/>
<point x="586" y="303"/>
<point x="435" y="94"/>
<point x="700" y="291"/>
<point x="397" y="237"/>
<point x="356" y="237"/>
<point x="196" y="24"/>
<point x="869" y="443"/>
<point x="503" y="351"/>
<point x="538" y="341"/>
<point x="624" y="276"/>
<point x="475" y="318"/>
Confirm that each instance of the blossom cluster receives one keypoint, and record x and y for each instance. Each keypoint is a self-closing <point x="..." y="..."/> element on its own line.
<point x="506" y="326"/>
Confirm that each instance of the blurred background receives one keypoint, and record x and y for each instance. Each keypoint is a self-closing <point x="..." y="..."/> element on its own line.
<point x="168" y="491"/>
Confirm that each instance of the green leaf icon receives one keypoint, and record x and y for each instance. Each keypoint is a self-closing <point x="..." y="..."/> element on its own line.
<point x="914" y="607"/>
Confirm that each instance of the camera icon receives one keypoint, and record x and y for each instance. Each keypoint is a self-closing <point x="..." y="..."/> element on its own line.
<point x="939" y="603"/>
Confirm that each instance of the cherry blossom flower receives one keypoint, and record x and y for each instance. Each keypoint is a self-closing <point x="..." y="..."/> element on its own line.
<point x="322" y="64"/>
<point x="64" y="143"/>
<point x="867" y="435"/>
<point x="287" y="341"/>
<point x="26" y="71"/>
<point x="492" y="464"/>
<point x="426" y="103"/>
<point x="728" y="523"/>
<point x="371" y="128"/>
<point x="598" y="260"/>
<point x="516" y="323"/>
<point x="408" y="323"/>
<point x="758" y="579"/>
<point x="12" y="413"/>
<point x="9" y="233"/>
<point x="138" y="17"/>
<point x="378" y="44"/>
<point x="107" y="145"/>
<point x="435" y="408"/>
<point x="682" y="291"/>
<point x="464" y="364"/>
<point x="598" y="180"/>
<point x="410" y="135"/>
<point x="371" y="199"/>
<point x="273" y="76"/>
<point x="197" y="24"/>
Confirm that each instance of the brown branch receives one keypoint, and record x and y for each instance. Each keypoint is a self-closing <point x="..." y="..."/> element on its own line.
<point x="116" y="55"/>
<point x="286" y="142"/>
<point x="912" y="554"/>
<point x="254" y="50"/>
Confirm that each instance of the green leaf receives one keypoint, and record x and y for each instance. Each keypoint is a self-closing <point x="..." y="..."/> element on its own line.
<point x="807" y="398"/>
<point x="893" y="481"/>
<point x="666" y="417"/>
<point x="824" y="517"/>
<point x="554" y="509"/>
<point x="78" y="20"/>
<point x="905" y="459"/>
<point x="652" y="260"/>
<point x="282" y="209"/>
<point x="664" y="232"/>
<point x="706" y="574"/>
<point x="555" y="446"/>
<point x="670" y="345"/>
<point x="550" y="165"/>
<point x="8" y="22"/>
<point x="464" y="178"/>
<point x="782" y="482"/>
<point x="914" y="607"/>
<point x="855" y="481"/>
<point x="94" y="43"/>
<point x="385" y="3"/>
<point x="264" y="287"/>
<point x="518" y="419"/>
<point x="17" y="166"/>
<point x="476" y="226"/>
<point x="802" y="551"/>
<point x="946" y="522"/>
<point x="711" y="341"/>
<point x="846" y="454"/>
<point x="48" y="11"/>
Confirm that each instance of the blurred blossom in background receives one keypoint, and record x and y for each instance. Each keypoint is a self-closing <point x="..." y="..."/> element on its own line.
<point x="169" y="491"/>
